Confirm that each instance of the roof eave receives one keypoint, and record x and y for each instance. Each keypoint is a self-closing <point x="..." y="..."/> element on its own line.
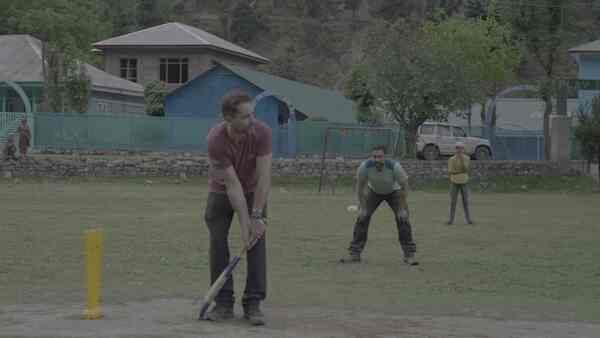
<point x="583" y="51"/>
<point x="112" y="90"/>
<point x="36" y="84"/>
<point x="261" y="60"/>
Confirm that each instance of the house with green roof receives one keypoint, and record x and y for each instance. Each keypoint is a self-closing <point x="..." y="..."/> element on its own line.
<point x="279" y="102"/>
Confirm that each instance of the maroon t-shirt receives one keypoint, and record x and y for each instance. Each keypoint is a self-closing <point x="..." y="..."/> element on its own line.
<point x="223" y="152"/>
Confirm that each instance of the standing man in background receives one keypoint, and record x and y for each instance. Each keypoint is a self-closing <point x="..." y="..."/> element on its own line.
<point x="240" y="157"/>
<point x="458" y="171"/>
<point x="24" y="138"/>
<point x="381" y="180"/>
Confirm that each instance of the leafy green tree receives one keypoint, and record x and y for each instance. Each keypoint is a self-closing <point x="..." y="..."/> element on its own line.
<point x="155" y="94"/>
<point x="476" y="8"/>
<point x="245" y="23"/>
<point x="404" y="77"/>
<point x="588" y="132"/>
<point x="477" y="55"/>
<point x="121" y="14"/>
<point x="546" y="30"/>
<point x="357" y="89"/>
<point x="423" y="72"/>
<point x="66" y="29"/>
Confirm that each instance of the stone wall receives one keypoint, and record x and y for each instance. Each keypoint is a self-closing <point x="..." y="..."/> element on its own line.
<point x="66" y="166"/>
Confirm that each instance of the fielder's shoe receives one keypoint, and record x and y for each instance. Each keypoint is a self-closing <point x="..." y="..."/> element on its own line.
<point x="253" y="314"/>
<point x="220" y="313"/>
<point x="411" y="260"/>
<point x="351" y="258"/>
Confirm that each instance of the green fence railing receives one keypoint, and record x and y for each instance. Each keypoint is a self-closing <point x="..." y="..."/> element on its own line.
<point x="120" y="132"/>
<point x="346" y="139"/>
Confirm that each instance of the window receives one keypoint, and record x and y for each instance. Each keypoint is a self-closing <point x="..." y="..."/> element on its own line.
<point x="427" y="129"/>
<point x="129" y="69"/>
<point x="459" y="132"/>
<point x="174" y="70"/>
<point x="102" y="107"/>
<point x="443" y="131"/>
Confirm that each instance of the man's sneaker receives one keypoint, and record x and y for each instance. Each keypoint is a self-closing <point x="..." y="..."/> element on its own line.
<point x="253" y="314"/>
<point x="411" y="260"/>
<point x="220" y="313"/>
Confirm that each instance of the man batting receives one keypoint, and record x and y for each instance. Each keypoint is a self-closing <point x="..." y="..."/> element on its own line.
<point x="240" y="157"/>
<point x="381" y="180"/>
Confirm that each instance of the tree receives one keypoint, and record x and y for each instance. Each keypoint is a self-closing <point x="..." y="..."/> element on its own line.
<point x="588" y="132"/>
<point x="315" y="9"/>
<point x="476" y="8"/>
<point x="245" y="23"/>
<point x="422" y="73"/>
<point x="391" y="10"/>
<point x="404" y="78"/>
<point x="478" y="55"/>
<point x="155" y="94"/>
<point x="450" y="7"/>
<point x="149" y="13"/>
<point x="354" y="6"/>
<point x="226" y="8"/>
<point x="121" y="14"/>
<point x="545" y="29"/>
<point x="357" y="89"/>
<point x="66" y="28"/>
<point x="285" y="62"/>
<point x="78" y="87"/>
<point x="309" y="54"/>
<point x="8" y="21"/>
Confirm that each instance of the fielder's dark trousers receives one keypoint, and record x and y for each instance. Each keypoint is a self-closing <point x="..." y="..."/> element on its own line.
<point x="218" y="216"/>
<point x="361" y="228"/>
<point x="464" y="192"/>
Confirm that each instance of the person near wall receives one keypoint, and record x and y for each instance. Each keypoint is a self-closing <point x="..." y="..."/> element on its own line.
<point x="10" y="149"/>
<point x="458" y="171"/>
<point x="24" y="138"/>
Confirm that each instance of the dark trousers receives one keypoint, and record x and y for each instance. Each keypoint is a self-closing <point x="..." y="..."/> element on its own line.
<point x="218" y="216"/>
<point x="464" y="192"/>
<point x="397" y="202"/>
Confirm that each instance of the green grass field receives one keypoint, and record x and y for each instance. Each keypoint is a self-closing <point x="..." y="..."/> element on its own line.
<point x="531" y="255"/>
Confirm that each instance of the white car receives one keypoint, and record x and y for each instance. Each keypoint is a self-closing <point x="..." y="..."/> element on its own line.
<point x="439" y="139"/>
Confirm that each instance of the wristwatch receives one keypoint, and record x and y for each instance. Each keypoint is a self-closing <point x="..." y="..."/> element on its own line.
<point x="256" y="213"/>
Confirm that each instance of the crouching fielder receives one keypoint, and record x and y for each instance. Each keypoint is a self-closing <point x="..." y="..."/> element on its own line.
<point x="381" y="180"/>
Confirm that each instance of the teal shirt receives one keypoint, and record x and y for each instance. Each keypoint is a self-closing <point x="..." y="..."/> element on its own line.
<point x="387" y="180"/>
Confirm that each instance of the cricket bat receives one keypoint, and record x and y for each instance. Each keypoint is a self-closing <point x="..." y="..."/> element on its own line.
<point x="218" y="284"/>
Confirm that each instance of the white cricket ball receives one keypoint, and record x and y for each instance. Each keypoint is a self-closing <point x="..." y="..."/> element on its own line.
<point x="352" y="208"/>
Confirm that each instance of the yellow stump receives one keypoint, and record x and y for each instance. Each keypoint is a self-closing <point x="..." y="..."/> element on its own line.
<point x="93" y="264"/>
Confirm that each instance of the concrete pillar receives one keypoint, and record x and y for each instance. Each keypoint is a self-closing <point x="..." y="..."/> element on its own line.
<point x="560" y="134"/>
<point x="291" y="142"/>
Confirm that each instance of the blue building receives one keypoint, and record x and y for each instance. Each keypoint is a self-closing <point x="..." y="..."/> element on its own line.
<point x="276" y="97"/>
<point x="587" y="57"/>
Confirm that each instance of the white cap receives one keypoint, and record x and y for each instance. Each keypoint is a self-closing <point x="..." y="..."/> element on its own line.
<point x="460" y="145"/>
